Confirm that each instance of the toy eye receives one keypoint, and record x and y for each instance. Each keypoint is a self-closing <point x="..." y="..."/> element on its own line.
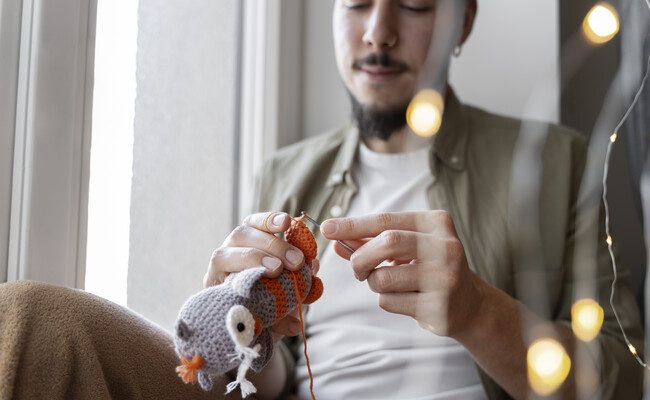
<point x="240" y="324"/>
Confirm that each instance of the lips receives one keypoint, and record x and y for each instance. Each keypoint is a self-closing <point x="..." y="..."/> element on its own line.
<point x="380" y="74"/>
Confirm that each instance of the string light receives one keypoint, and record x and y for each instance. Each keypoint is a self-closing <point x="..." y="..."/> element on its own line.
<point x="601" y="23"/>
<point x="424" y="113"/>
<point x="586" y="319"/>
<point x="548" y="366"/>
<point x="610" y="240"/>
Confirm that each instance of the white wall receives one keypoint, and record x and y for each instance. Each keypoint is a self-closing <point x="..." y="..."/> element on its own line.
<point x="184" y="146"/>
<point x="513" y="49"/>
<point x="510" y="64"/>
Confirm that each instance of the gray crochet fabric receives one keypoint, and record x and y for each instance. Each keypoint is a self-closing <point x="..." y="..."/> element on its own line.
<point x="228" y="325"/>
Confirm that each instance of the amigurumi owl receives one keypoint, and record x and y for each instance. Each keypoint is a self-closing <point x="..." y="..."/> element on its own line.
<point x="228" y="326"/>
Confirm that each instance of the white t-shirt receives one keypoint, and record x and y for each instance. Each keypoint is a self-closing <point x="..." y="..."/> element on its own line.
<point x="356" y="349"/>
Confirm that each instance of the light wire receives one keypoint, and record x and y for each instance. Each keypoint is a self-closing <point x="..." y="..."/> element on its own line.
<point x="610" y="240"/>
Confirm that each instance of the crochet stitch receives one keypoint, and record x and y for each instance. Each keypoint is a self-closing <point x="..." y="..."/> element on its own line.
<point x="227" y="326"/>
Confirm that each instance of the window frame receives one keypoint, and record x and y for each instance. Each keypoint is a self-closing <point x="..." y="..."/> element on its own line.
<point x="49" y="192"/>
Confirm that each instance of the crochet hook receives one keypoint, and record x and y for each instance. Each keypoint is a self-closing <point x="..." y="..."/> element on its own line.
<point x="342" y="243"/>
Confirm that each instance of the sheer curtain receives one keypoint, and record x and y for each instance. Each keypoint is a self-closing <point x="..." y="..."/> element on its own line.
<point x="184" y="149"/>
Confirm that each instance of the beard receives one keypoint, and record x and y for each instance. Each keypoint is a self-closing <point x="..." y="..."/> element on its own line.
<point x="374" y="122"/>
<point x="378" y="123"/>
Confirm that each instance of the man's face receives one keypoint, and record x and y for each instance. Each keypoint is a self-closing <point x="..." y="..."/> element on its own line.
<point x="399" y="32"/>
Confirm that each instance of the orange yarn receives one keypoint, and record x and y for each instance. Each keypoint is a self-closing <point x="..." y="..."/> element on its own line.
<point x="274" y="287"/>
<point x="187" y="371"/>
<point x="304" y="337"/>
<point x="300" y="236"/>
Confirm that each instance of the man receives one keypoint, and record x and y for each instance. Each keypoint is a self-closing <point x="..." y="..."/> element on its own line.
<point x="456" y="270"/>
<point x="433" y="288"/>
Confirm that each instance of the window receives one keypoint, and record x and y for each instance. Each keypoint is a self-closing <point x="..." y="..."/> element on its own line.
<point x="164" y="153"/>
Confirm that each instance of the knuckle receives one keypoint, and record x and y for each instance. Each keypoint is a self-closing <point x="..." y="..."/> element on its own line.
<point x="384" y="280"/>
<point x="385" y="220"/>
<point x="453" y="249"/>
<point x="238" y="234"/>
<point x="271" y="243"/>
<point x="390" y="238"/>
<point x="250" y="254"/>
<point x="247" y="220"/>
<point x="348" y="224"/>
<point x="217" y="254"/>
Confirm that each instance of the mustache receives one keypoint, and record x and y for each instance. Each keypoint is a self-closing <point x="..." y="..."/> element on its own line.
<point x="382" y="60"/>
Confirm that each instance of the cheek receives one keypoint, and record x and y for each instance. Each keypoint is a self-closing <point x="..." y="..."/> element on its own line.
<point x="417" y="43"/>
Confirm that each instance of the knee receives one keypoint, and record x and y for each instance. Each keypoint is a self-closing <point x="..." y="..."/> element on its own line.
<point x="28" y="300"/>
<point x="20" y="293"/>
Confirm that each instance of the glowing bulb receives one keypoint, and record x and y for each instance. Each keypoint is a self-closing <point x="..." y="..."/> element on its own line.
<point x="613" y="137"/>
<point x="601" y="23"/>
<point x="609" y="240"/>
<point x="586" y="319"/>
<point x="424" y="113"/>
<point x="632" y="349"/>
<point x="548" y="366"/>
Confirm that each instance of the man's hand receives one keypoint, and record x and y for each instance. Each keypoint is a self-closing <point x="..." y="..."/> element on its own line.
<point x="252" y="244"/>
<point x="416" y="263"/>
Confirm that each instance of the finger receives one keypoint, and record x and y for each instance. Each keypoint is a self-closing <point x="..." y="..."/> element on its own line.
<point x="247" y="236"/>
<point x="399" y="303"/>
<point x="373" y="224"/>
<point x="315" y="266"/>
<point x="391" y="244"/>
<point x="287" y="326"/>
<point x="345" y="253"/>
<point x="270" y="222"/>
<point x="395" y="279"/>
<point x="226" y="260"/>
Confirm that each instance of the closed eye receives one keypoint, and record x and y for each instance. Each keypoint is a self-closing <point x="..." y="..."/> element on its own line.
<point x="415" y="9"/>
<point x="356" y="6"/>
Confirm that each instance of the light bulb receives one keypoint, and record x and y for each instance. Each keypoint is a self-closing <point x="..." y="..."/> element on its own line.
<point x="586" y="319"/>
<point x="601" y="23"/>
<point x="548" y="366"/>
<point x="424" y="113"/>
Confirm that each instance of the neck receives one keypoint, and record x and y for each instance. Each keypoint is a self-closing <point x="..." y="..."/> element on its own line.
<point x="401" y="141"/>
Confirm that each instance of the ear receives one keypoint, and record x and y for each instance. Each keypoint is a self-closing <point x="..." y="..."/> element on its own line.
<point x="242" y="282"/>
<point x="470" y="16"/>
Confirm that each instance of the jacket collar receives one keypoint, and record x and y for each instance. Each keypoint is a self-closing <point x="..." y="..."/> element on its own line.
<point x="450" y="144"/>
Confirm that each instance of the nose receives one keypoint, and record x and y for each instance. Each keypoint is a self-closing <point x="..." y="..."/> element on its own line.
<point x="381" y="32"/>
<point x="182" y="330"/>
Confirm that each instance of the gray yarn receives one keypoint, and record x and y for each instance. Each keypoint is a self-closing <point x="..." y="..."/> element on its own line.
<point x="201" y="327"/>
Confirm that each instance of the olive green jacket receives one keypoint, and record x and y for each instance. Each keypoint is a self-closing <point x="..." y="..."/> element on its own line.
<point x="526" y="242"/>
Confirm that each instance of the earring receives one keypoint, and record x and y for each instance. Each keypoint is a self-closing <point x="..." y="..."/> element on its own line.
<point x="457" y="51"/>
<point x="392" y="43"/>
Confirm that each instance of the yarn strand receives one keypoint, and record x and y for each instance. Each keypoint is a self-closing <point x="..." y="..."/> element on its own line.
<point x="304" y="337"/>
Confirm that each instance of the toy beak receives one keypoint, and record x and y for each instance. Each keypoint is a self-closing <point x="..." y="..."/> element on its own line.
<point x="188" y="371"/>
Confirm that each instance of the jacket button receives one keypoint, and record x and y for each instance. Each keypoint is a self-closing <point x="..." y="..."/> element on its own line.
<point x="336" y="211"/>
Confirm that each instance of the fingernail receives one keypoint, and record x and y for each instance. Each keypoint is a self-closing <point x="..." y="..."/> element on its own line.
<point x="271" y="263"/>
<point x="294" y="257"/>
<point x="328" y="227"/>
<point x="295" y="327"/>
<point x="278" y="220"/>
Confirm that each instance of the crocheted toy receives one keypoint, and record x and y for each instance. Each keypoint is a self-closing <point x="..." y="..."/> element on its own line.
<point x="228" y="326"/>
